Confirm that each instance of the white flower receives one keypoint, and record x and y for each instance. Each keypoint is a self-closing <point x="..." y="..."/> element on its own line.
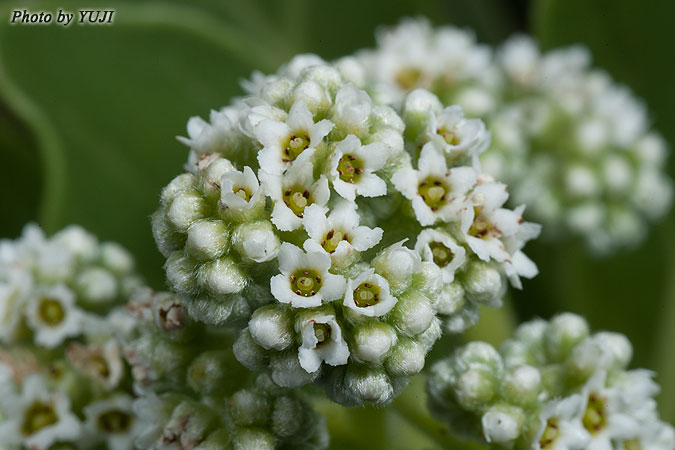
<point x="441" y="248"/>
<point x="352" y="166"/>
<point x="653" y="435"/>
<point x="437" y="193"/>
<point x="113" y="421"/>
<point x="100" y="362"/>
<point x="458" y="137"/>
<point x="240" y="191"/>
<point x="290" y="141"/>
<point x="322" y="341"/>
<point x="352" y="110"/>
<point x="368" y="294"/>
<point x="304" y="280"/>
<point x="53" y="315"/>
<point x="38" y="418"/>
<point x="339" y="234"/>
<point x="603" y="417"/>
<point x="213" y="137"/>
<point x="292" y="192"/>
<point x="498" y="233"/>
<point x="560" y="426"/>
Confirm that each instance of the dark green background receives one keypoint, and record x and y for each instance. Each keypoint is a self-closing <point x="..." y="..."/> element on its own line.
<point x="89" y="115"/>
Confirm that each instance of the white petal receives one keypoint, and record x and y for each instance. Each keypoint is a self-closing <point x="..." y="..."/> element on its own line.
<point x="319" y="131"/>
<point x="370" y="185"/>
<point x="405" y="180"/>
<point x="299" y="117"/>
<point x="285" y="219"/>
<point x="291" y="258"/>
<point x="333" y="286"/>
<point x="365" y="238"/>
<point x="432" y="161"/>
<point x="309" y="359"/>
<point x="315" y="222"/>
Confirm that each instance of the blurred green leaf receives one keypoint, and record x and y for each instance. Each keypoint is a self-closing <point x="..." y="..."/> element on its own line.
<point x="105" y="103"/>
<point x="631" y="292"/>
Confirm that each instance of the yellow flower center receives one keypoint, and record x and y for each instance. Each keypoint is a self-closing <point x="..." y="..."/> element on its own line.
<point x="550" y="434"/>
<point x="448" y="135"/>
<point x="332" y="239"/>
<point x="114" y="421"/>
<point x="434" y="192"/>
<point x="322" y="331"/>
<point x="367" y="294"/>
<point x="297" y="199"/>
<point x="481" y="227"/>
<point x="242" y="192"/>
<point x="306" y="282"/>
<point x="595" y="417"/>
<point x="441" y="254"/>
<point x="51" y="312"/>
<point x="297" y="143"/>
<point x="632" y="444"/>
<point x="409" y="77"/>
<point x="350" y="168"/>
<point x="38" y="416"/>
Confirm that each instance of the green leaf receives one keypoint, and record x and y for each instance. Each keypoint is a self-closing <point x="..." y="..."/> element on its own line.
<point x="105" y="104"/>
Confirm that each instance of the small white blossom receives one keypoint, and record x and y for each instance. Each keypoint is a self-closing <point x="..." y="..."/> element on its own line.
<point x="38" y="417"/>
<point x="353" y="165"/>
<point x="460" y="138"/>
<point x="290" y="141"/>
<point x="112" y="421"/>
<point x="292" y="192"/>
<point x="102" y="363"/>
<point x="213" y="137"/>
<point x="351" y="111"/>
<point x="339" y="234"/>
<point x="368" y="294"/>
<point x="322" y="341"/>
<point x="560" y="426"/>
<point x="240" y="191"/>
<point x="603" y="417"/>
<point x="441" y="248"/>
<point x="436" y="192"/>
<point x="53" y="315"/>
<point x="304" y="280"/>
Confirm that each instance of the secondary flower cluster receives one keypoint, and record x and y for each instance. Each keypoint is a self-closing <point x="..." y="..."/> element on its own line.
<point x="373" y="224"/>
<point x="62" y="376"/>
<point x="192" y="393"/>
<point x="572" y="144"/>
<point x="553" y="386"/>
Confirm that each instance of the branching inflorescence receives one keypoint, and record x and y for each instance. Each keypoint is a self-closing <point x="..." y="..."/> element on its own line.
<point x="330" y="226"/>
<point x="572" y="144"/>
<point x="379" y="227"/>
<point x="553" y="386"/>
<point x="62" y="377"/>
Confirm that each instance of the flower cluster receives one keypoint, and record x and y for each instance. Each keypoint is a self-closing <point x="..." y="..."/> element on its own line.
<point x="62" y="376"/>
<point x="553" y="386"/>
<point x="377" y="226"/>
<point x="192" y="393"/>
<point x="572" y="144"/>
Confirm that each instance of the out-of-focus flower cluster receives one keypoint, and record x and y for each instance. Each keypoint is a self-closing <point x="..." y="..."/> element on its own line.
<point x="63" y="382"/>
<point x="573" y="145"/>
<point x="346" y="236"/>
<point x="193" y="394"/>
<point x="553" y="386"/>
